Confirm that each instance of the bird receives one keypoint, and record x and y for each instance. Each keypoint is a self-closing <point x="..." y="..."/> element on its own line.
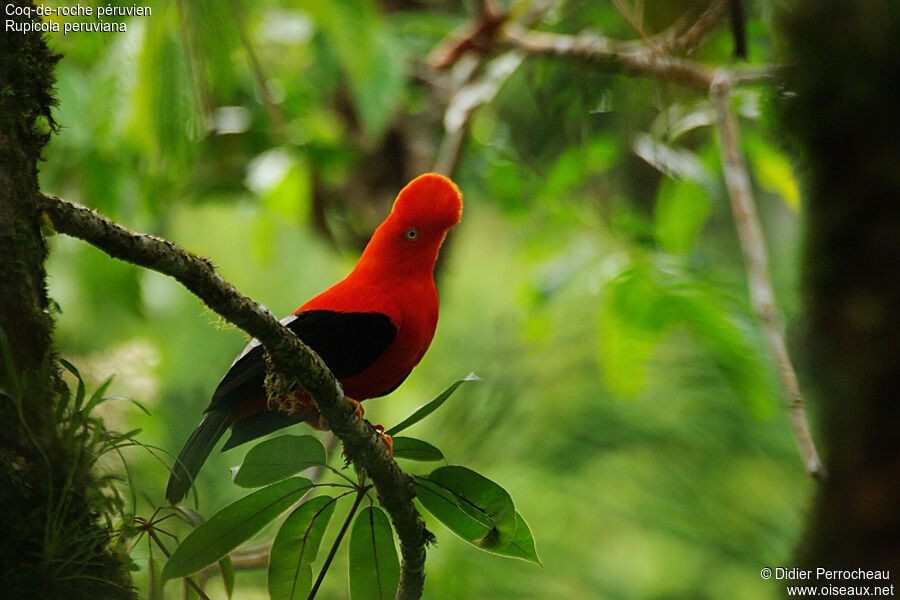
<point x="371" y="328"/>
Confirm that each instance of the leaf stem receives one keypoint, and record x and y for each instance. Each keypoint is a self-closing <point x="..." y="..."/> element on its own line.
<point x="361" y="492"/>
<point x="189" y="580"/>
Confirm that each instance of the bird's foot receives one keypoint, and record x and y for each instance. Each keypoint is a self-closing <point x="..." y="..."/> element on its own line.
<point x="357" y="408"/>
<point x="385" y="438"/>
<point x="388" y="440"/>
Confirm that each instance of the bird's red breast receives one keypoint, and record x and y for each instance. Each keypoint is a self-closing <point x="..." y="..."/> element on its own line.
<point x="394" y="277"/>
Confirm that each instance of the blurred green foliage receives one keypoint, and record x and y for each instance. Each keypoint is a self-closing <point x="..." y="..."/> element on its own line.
<point x="595" y="283"/>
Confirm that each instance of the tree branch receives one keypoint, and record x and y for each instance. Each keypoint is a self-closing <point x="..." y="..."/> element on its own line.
<point x="636" y="59"/>
<point x="681" y="38"/>
<point x="472" y="93"/>
<point x="718" y="83"/>
<point x="289" y="355"/>
<point x="759" y="280"/>
<point x="598" y="48"/>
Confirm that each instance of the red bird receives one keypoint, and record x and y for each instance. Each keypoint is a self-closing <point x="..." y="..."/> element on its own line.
<point x="371" y="329"/>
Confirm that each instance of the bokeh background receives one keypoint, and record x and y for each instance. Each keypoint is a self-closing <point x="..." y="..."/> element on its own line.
<point x="629" y="404"/>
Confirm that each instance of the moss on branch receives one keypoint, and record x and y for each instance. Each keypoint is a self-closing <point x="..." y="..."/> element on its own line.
<point x="290" y="356"/>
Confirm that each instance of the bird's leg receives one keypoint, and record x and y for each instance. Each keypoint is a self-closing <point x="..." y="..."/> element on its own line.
<point x="388" y="440"/>
<point x="388" y="443"/>
<point x="357" y="408"/>
<point x="379" y="429"/>
<point x="299" y="405"/>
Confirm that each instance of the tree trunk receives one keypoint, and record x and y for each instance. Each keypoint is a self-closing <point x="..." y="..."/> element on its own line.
<point x="845" y="119"/>
<point x="52" y="544"/>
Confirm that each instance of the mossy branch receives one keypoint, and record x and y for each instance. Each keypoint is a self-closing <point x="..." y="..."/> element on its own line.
<point x="289" y="355"/>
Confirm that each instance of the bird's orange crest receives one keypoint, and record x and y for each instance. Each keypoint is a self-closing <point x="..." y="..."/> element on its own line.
<point x="431" y="200"/>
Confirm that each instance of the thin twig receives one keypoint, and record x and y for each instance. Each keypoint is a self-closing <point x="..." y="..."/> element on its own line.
<point x="265" y="92"/>
<point x="360" y="494"/>
<point x="635" y="18"/>
<point x="598" y="48"/>
<point x="476" y="35"/>
<point x="290" y="356"/>
<point x="759" y="280"/>
<point x="471" y="94"/>
<point x="680" y="39"/>
<point x="626" y="55"/>
<point x="189" y="580"/>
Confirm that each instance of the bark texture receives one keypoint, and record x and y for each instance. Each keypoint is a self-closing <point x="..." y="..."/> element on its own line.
<point x="843" y="116"/>
<point x="53" y="545"/>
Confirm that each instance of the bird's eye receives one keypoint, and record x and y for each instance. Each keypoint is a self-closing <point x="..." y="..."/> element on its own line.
<point x="412" y="234"/>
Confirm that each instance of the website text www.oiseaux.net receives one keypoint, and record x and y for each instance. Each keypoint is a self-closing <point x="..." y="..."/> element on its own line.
<point x="847" y="583"/>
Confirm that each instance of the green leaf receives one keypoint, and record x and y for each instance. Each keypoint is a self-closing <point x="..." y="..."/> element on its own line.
<point x="290" y="198"/>
<point x="164" y="121"/>
<point x="232" y="526"/>
<point x="773" y="171"/>
<point x="634" y="315"/>
<point x="732" y="341"/>
<point x="413" y="449"/>
<point x="680" y="119"/>
<point x="424" y="411"/>
<point x="281" y="177"/>
<point x="277" y="458"/>
<point x="775" y="175"/>
<point x="154" y="589"/>
<point x="575" y="166"/>
<point x="682" y="209"/>
<point x="522" y="544"/>
<point x="295" y="548"/>
<point x="647" y="300"/>
<point x="371" y="58"/>
<point x="97" y="397"/>
<point x="190" y="515"/>
<point x="470" y="505"/>
<point x="80" y="393"/>
<point x="374" y="568"/>
<point x="226" y="568"/>
<point x="674" y="161"/>
<point x="214" y="27"/>
<point x="444" y="506"/>
<point x="112" y="438"/>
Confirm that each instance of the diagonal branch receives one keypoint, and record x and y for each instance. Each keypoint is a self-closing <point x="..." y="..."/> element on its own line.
<point x="471" y="95"/>
<point x="682" y="38"/>
<point x="636" y="59"/>
<point x="759" y="280"/>
<point x="718" y="83"/>
<point x="395" y="488"/>
<point x="598" y="48"/>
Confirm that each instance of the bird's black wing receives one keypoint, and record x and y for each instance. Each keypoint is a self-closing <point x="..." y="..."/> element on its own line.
<point x="349" y="343"/>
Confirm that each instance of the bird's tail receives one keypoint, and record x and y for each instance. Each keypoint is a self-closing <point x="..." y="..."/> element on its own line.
<point x="195" y="452"/>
